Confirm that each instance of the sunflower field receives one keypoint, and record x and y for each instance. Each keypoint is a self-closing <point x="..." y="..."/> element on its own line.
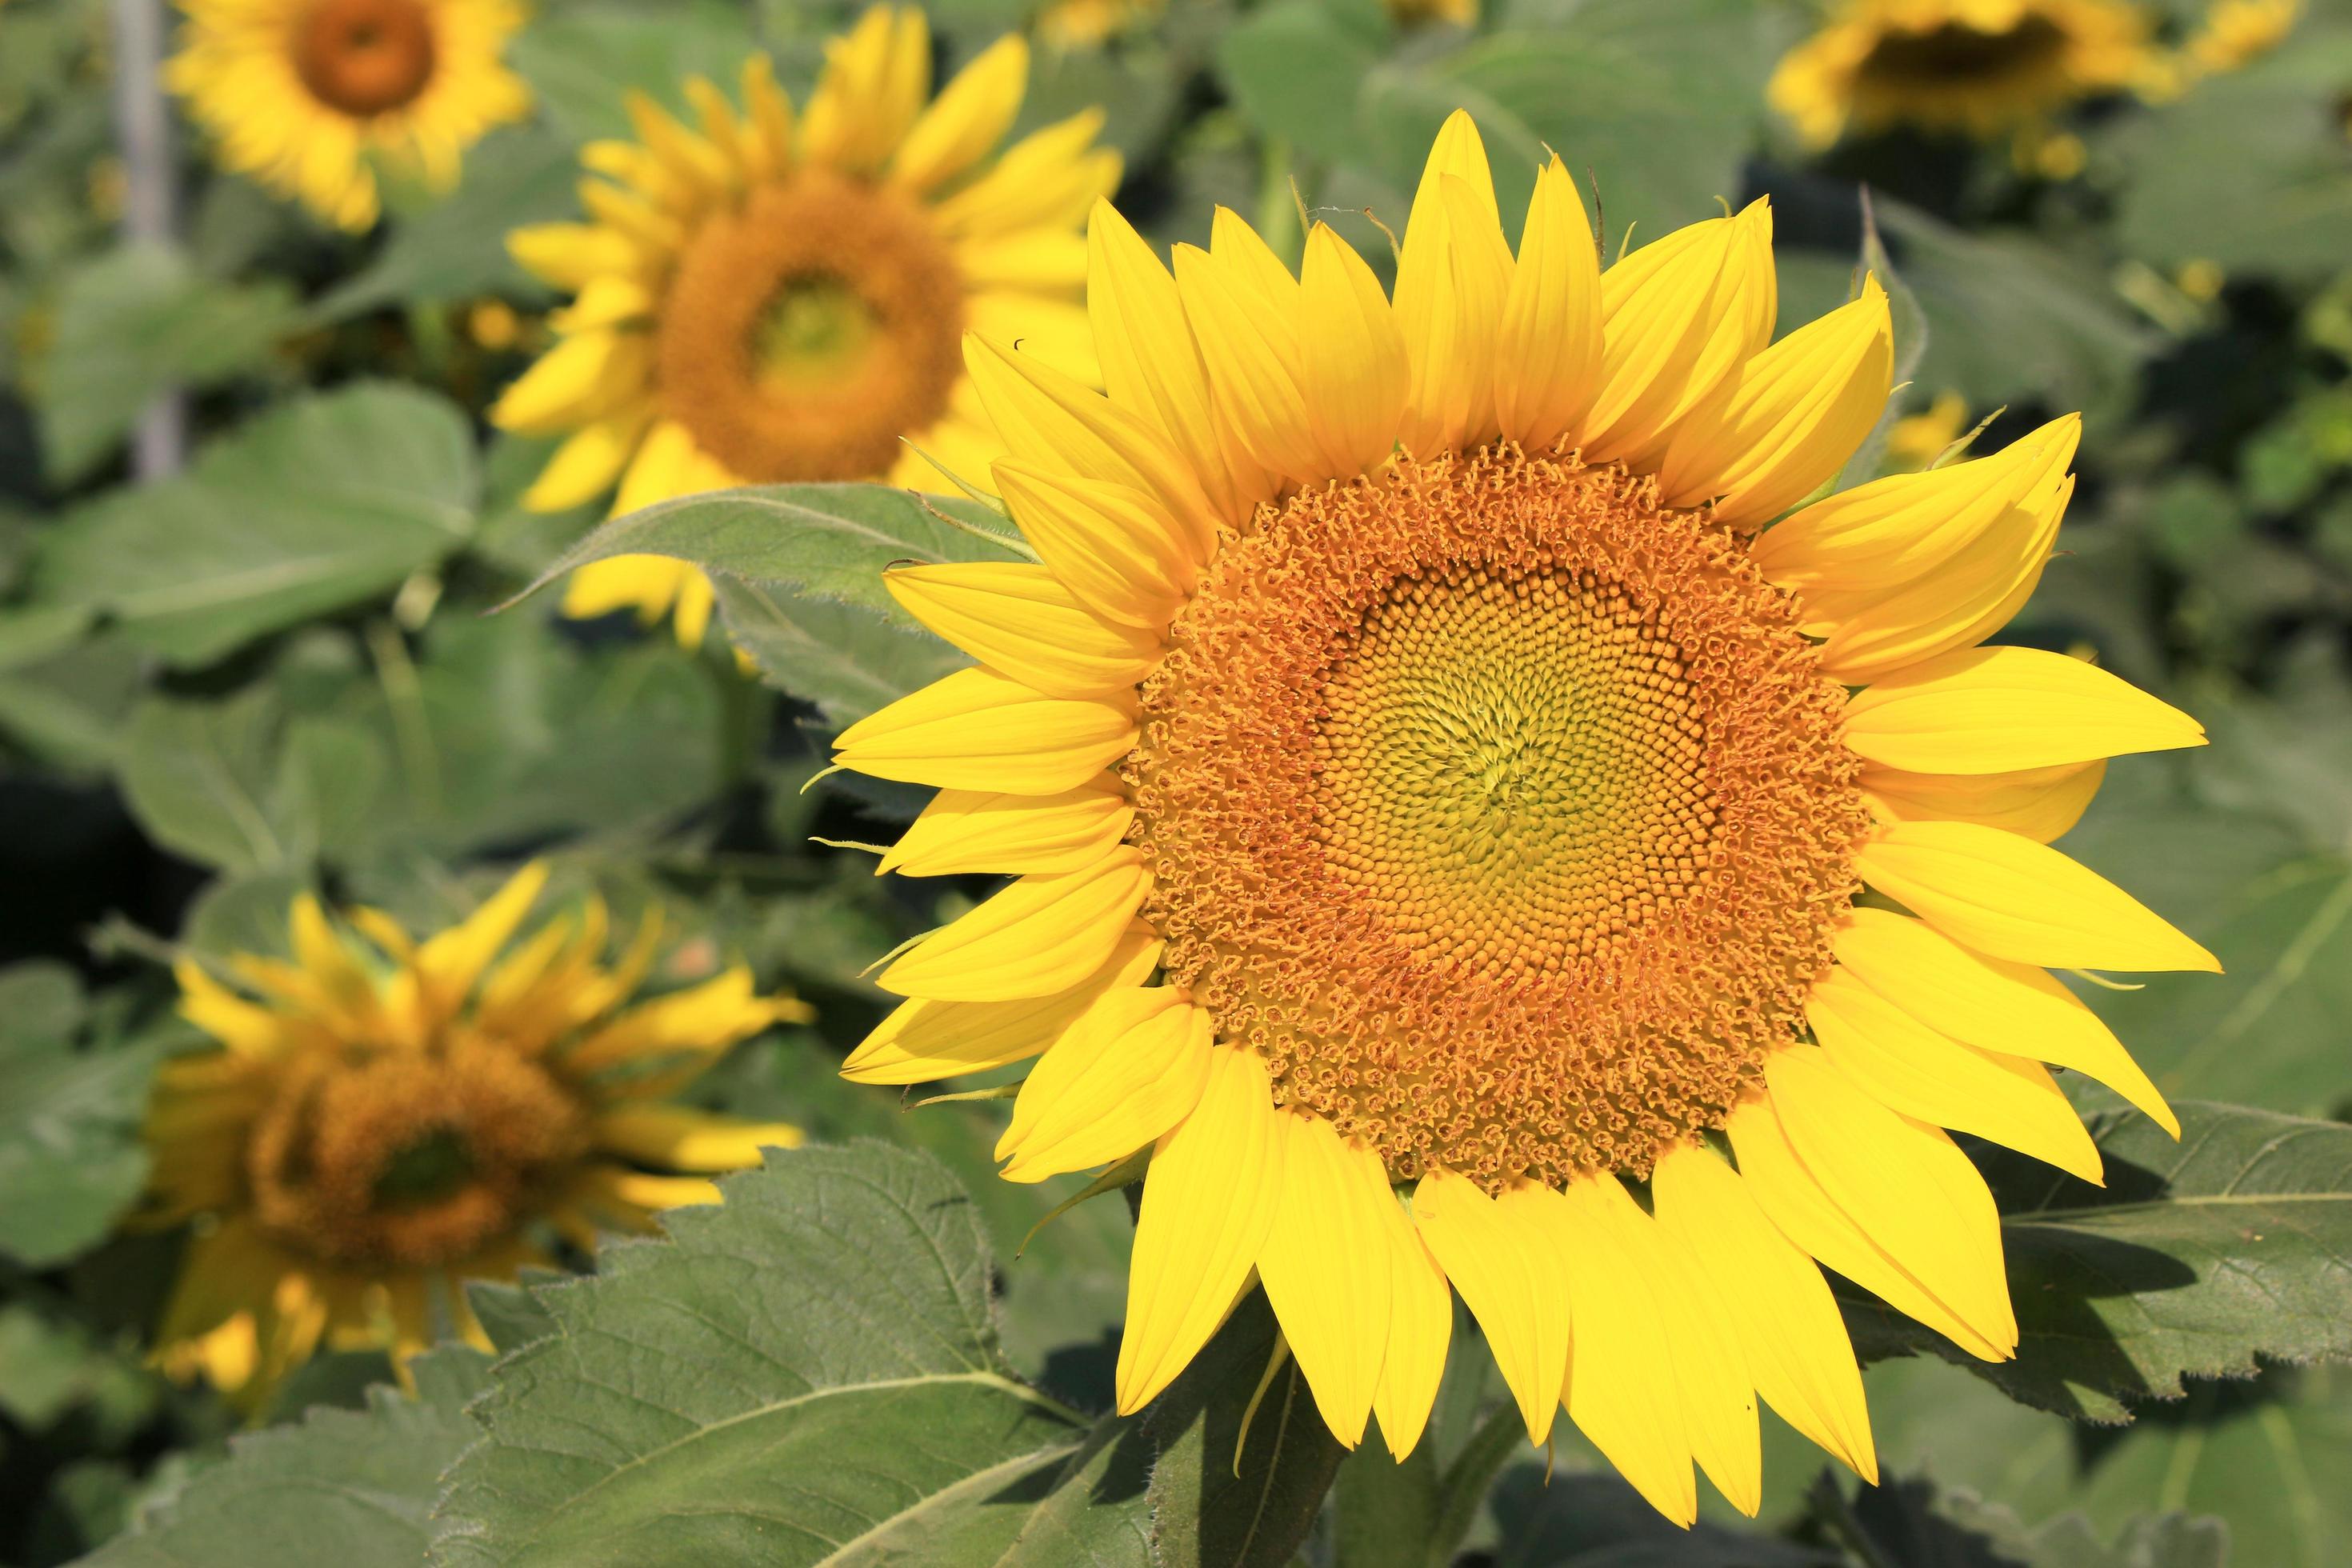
<point x="1176" y="784"/>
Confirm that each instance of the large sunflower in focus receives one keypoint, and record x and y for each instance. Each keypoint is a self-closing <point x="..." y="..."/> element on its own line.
<point x="300" y="93"/>
<point x="1458" y="846"/>
<point x="386" y="1119"/>
<point x="761" y="301"/>
<point x="1981" y="67"/>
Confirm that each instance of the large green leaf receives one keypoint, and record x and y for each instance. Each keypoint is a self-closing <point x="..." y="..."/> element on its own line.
<point x="200" y="778"/>
<point x="582" y="61"/>
<point x="847" y="659"/>
<point x="1916" y="1521"/>
<point x="2202" y="1258"/>
<point x="311" y="509"/>
<point x="71" y="1099"/>
<point x="1296" y="68"/>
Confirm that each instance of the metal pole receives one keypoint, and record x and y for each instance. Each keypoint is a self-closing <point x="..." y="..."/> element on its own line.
<point x="143" y="125"/>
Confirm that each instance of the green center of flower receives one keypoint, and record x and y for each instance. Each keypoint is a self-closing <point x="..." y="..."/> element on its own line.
<point x="815" y="331"/>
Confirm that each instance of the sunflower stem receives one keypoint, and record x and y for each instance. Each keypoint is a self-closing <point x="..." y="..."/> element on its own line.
<point x="1468" y="1478"/>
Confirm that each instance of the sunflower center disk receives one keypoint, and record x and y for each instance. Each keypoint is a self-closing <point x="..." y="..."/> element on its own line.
<point x="365" y="58"/>
<point x="1955" y="53"/>
<point x="1502" y="810"/>
<point x="410" y="1160"/>
<point x="807" y="331"/>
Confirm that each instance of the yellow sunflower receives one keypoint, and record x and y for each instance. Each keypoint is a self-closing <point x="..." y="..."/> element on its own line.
<point x="300" y="93"/>
<point x="1459" y="848"/>
<point x="1917" y="439"/>
<point x="1981" y="67"/>
<point x="387" y="1122"/>
<point x="762" y="302"/>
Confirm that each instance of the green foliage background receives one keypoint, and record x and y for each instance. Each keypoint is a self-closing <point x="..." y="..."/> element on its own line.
<point x="275" y="671"/>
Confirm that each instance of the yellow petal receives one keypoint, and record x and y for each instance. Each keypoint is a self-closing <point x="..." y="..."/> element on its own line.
<point x="876" y="78"/>
<point x="1020" y="621"/>
<point x="1787" y="1325"/>
<point x="589" y="461"/>
<point x="1547" y="361"/>
<point x="1249" y="336"/>
<point x="1208" y="1204"/>
<point x="1048" y="179"/>
<point x="1034" y="261"/>
<point x="1453" y="271"/>
<point x="2042" y="804"/>
<point x="2012" y="897"/>
<point x="1153" y="368"/>
<point x="1125" y="1071"/>
<point x="571" y="256"/>
<point x="699" y="1023"/>
<point x="1037" y="936"/>
<point x="581" y="379"/>
<point x="691" y="163"/>
<point x="966" y="831"/>
<point x="221" y="1012"/>
<point x="967" y="119"/>
<point x="1991" y="1004"/>
<point x="1996" y="709"/>
<point x="1420" y="1323"/>
<point x="1502" y="1260"/>
<point x="1117" y="547"/>
<point x="1327" y="1270"/>
<point x="680" y="1139"/>
<point x="454" y="959"/>
<point x="1787" y="421"/>
<point x="1808" y="1216"/>
<point x="1049" y="419"/>
<point x="923" y="1040"/>
<point x="976" y="729"/>
<point x="769" y="114"/>
<point x="1679" y="316"/>
<point x="1351" y="359"/>
<point x="1906" y="1185"/>
<point x="1929" y="1075"/>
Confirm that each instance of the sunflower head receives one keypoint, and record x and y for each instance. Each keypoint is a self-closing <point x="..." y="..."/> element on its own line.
<point x="758" y="300"/>
<point x="1976" y="68"/>
<point x="301" y="94"/>
<point x="385" y="1119"/>
<point x="1490" y="816"/>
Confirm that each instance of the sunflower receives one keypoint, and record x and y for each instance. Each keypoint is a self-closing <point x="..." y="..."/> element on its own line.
<point x="1917" y="440"/>
<point x="299" y="93"/>
<point x="763" y="302"/>
<point x="1456" y="846"/>
<point x="385" y="1119"/>
<point x="1978" y="66"/>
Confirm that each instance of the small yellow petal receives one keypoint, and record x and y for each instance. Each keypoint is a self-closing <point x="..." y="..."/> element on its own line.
<point x="1996" y="709"/>
<point x="1039" y="935"/>
<point x="1125" y="1071"/>
<point x="1351" y="358"/>
<point x="589" y="461"/>
<point x="2042" y="804"/>
<point x="1548" y="362"/>
<point x="583" y="378"/>
<point x="1509" y="1276"/>
<point x="967" y="119"/>
<point x="236" y="1023"/>
<point x="1421" y="1324"/>
<point x="685" y="1140"/>
<point x="1019" y="620"/>
<point x="1327" y="1270"/>
<point x="571" y="256"/>
<point x="1249" y="336"/>
<point x="963" y="832"/>
<point x="1117" y="547"/>
<point x="976" y="729"/>
<point x="1453" y="274"/>
<point x="452" y="960"/>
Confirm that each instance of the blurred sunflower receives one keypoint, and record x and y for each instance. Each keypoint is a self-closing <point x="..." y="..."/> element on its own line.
<point x="763" y="302"/>
<point x="387" y="1122"/>
<point x="299" y="93"/>
<point x="1420" y="777"/>
<point x="1917" y="439"/>
<point x="1981" y="67"/>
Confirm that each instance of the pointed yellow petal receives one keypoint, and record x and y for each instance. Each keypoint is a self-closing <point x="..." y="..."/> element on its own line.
<point x="452" y="960"/>
<point x="2042" y="804"/>
<point x="876" y="78"/>
<point x="1420" y="1323"/>
<point x="1048" y="179"/>
<point x="1128" y="1070"/>
<point x="976" y="729"/>
<point x="1996" y="709"/>
<point x="1327" y="1270"/>
<point x="1453" y="271"/>
<point x="1020" y="621"/>
<point x="1907" y="1066"/>
<point x="679" y="1139"/>
<point x="966" y="831"/>
<point x="1502" y="1260"/>
<point x="2012" y="897"/>
<point x="589" y="461"/>
<point x="571" y="256"/>
<point x="1040" y="935"/>
<point x="1780" y="1308"/>
<point x="1032" y="261"/>
<point x="221" y="1012"/>
<point x="1547" y="361"/>
<point x="1787" y="421"/>
<point x="1248" y="335"/>
<point x="770" y="116"/>
<point x="967" y="119"/>
<point x="1117" y="547"/>
<point x="583" y="378"/>
<point x="1351" y="359"/>
<point x="1208" y="1202"/>
<point x="923" y="1040"/>
<point x="1991" y="1004"/>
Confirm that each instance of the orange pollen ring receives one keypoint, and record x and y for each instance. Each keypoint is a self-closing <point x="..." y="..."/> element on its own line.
<point x="410" y="1159"/>
<point x="365" y="58"/>
<point x="1503" y="811"/>
<point x="803" y="334"/>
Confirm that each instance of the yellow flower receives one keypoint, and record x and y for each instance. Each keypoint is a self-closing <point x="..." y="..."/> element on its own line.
<point x="1976" y="66"/>
<point x="1918" y="440"/>
<point x="760" y="302"/>
<point x="300" y="93"/>
<point x="1415" y="13"/>
<point x="1440" y="815"/>
<point x="2238" y="32"/>
<point x="385" y="1120"/>
<point x="1090" y="23"/>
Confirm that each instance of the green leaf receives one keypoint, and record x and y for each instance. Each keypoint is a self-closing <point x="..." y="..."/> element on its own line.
<point x="1916" y="1521"/>
<point x="198" y="777"/>
<point x="358" y="1484"/>
<point x="1297" y="69"/>
<point x="847" y="661"/>
<point x="134" y="324"/>
<point x="2197" y="1260"/>
<point x="311" y="509"/>
<point x="71" y="1161"/>
<point x="1594" y="1520"/>
<point x="582" y="61"/>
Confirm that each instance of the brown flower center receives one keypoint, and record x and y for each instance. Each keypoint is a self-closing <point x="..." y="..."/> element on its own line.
<point x="365" y="58"/>
<point x="410" y="1159"/>
<point x="1955" y="54"/>
<point x="1502" y="810"/>
<point x="805" y="334"/>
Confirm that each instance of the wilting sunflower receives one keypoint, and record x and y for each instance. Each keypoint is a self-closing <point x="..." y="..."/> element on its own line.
<point x="300" y="93"/>
<point x="1454" y="845"/>
<point x="761" y="301"/>
<point x="1982" y="67"/>
<point x="386" y="1119"/>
